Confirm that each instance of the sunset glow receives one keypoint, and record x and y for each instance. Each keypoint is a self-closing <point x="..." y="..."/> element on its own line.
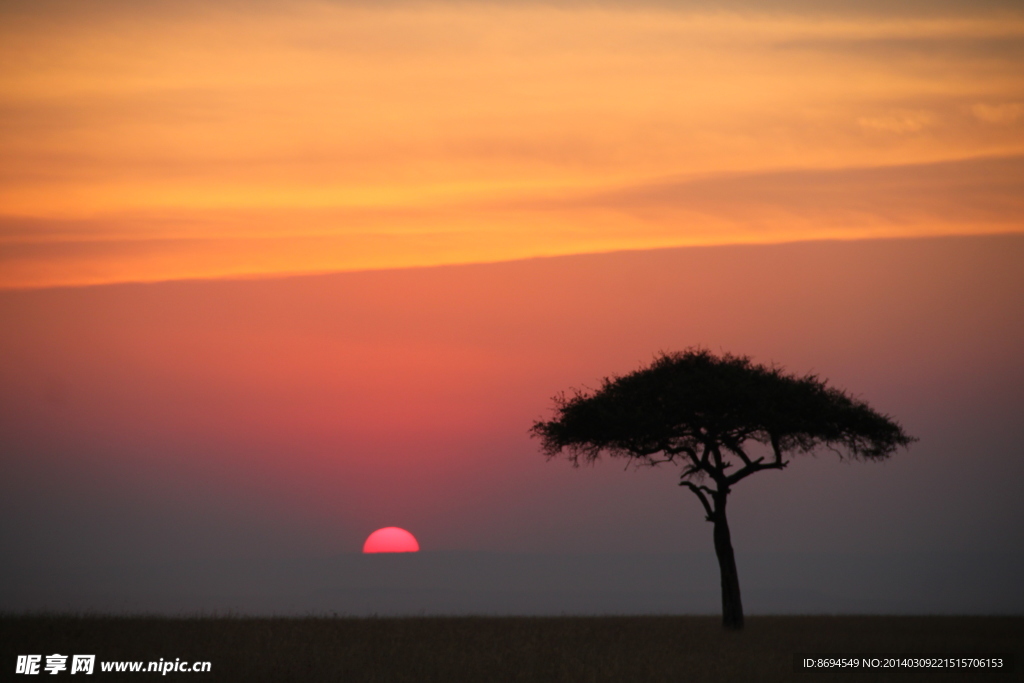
<point x="174" y="140"/>
<point x="274" y="273"/>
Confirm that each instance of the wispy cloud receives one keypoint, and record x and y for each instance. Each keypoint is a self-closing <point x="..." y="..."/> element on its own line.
<point x="1005" y="113"/>
<point x="229" y="123"/>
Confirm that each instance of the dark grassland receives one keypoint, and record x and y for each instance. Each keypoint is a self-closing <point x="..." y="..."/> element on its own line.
<point x="486" y="649"/>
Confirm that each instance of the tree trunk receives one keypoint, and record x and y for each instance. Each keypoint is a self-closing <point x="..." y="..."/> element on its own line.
<point x="732" y="608"/>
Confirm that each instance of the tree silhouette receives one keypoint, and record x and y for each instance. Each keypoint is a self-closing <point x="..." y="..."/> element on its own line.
<point x="707" y="413"/>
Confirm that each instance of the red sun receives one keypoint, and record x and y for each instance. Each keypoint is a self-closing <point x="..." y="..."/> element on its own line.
<point x="391" y="539"/>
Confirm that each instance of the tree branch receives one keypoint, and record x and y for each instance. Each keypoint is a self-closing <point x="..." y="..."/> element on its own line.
<point x="705" y="458"/>
<point x="776" y="448"/>
<point x="736" y="448"/>
<point x="697" y="491"/>
<point x="717" y="471"/>
<point x="696" y="465"/>
<point x="755" y="466"/>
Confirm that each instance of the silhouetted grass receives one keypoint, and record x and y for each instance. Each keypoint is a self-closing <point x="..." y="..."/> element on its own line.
<point x="496" y="649"/>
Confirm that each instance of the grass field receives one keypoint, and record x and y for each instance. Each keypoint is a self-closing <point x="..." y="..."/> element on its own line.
<point x="533" y="649"/>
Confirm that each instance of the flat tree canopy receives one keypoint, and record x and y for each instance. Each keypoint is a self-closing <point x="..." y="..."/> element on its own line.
<point x="705" y="412"/>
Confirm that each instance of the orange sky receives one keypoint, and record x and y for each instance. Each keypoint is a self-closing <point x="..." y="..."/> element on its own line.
<point x="150" y="141"/>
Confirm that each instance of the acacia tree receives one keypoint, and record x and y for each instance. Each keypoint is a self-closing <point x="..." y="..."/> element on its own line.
<point x="722" y="419"/>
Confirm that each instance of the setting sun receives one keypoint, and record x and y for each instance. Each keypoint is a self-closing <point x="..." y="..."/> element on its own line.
<point x="391" y="540"/>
